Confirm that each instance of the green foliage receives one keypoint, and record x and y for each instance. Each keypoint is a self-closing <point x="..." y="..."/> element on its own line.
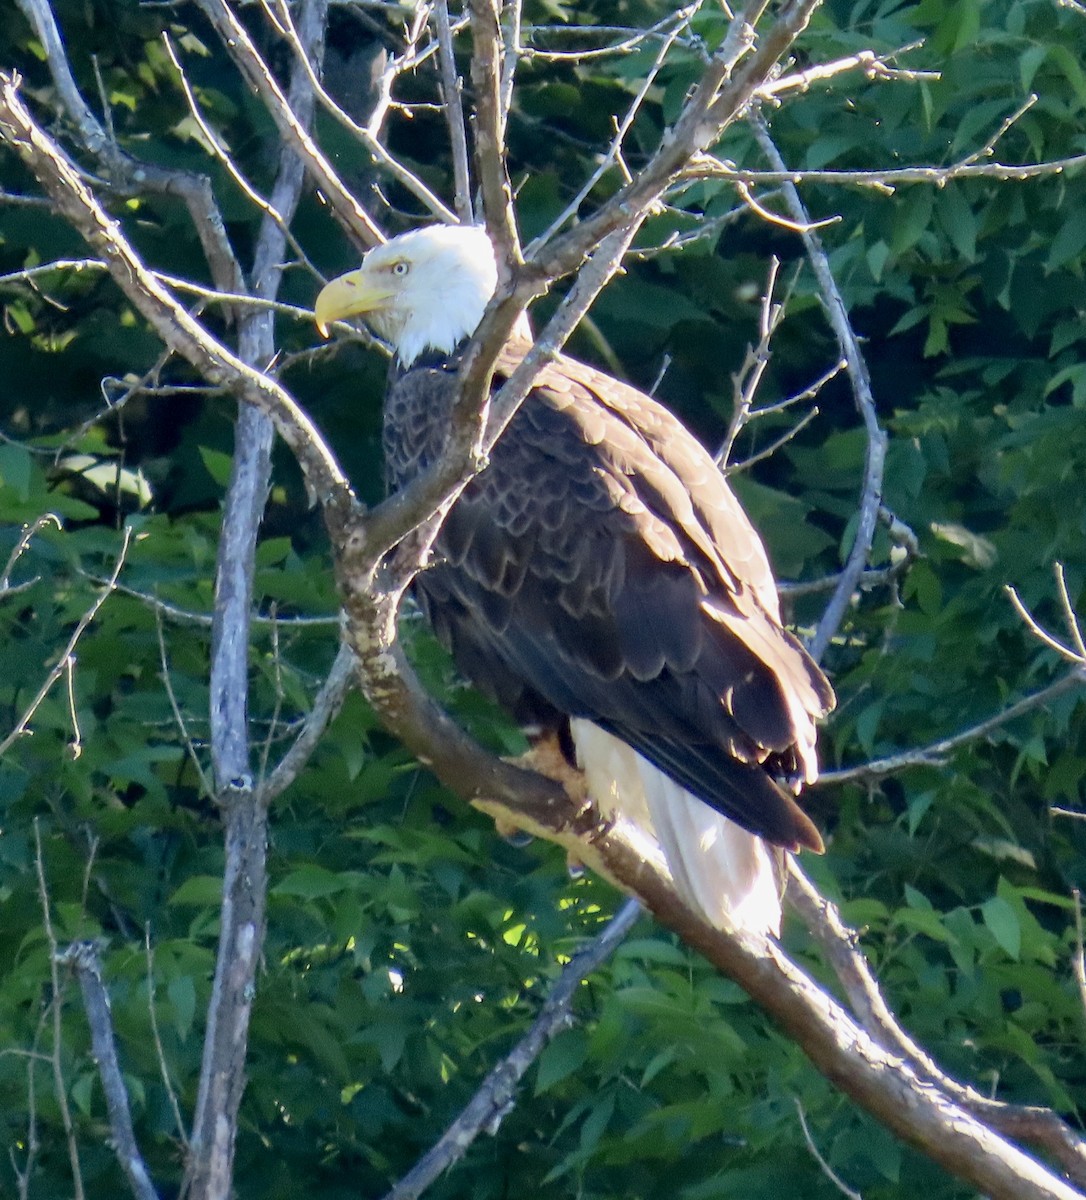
<point x="409" y="946"/>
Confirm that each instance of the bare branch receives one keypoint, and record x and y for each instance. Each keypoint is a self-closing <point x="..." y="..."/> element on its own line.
<point x="369" y="134"/>
<point x="775" y="445"/>
<point x="608" y="160"/>
<point x="514" y="51"/>
<point x="223" y="156"/>
<point x="878" y="1079"/>
<point x="210" y="1166"/>
<point x="875" y="455"/>
<point x="705" y="167"/>
<point x="486" y="78"/>
<point x="56" y="1005"/>
<point x="235" y="37"/>
<point x="935" y="753"/>
<point x="1074" y="652"/>
<point x="728" y="84"/>
<point x="206" y="786"/>
<point x="495" y="1097"/>
<point x="170" y="320"/>
<point x="83" y="957"/>
<point x="7" y="588"/>
<point x="160" y="1053"/>
<point x="873" y="65"/>
<point x="130" y="173"/>
<point x="22" y="725"/>
<point x="326" y="705"/>
<point x="452" y="102"/>
<point x="772" y="218"/>
<point x="816" y="1154"/>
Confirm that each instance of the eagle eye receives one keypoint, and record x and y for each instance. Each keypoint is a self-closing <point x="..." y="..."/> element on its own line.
<point x="400" y="268"/>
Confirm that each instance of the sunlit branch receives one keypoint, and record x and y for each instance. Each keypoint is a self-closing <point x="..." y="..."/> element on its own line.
<point x="490" y="163"/>
<point x="216" y="148"/>
<point x="614" y="150"/>
<point x="1072" y="651"/>
<point x="1039" y="1126"/>
<point x="873" y="65"/>
<point x="127" y="172"/>
<point x="170" y="320"/>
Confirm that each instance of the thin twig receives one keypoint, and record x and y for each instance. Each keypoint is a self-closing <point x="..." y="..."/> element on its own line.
<point x="935" y="753"/>
<point x="56" y="1004"/>
<point x="123" y="170"/>
<point x="887" y="180"/>
<point x="206" y="787"/>
<point x="160" y="1053"/>
<point x="241" y="48"/>
<point x="816" y="1154"/>
<point x="495" y="1096"/>
<point x="682" y="17"/>
<point x="326" y="704"/>
<point x="21" y="546"/>
<point x="452" y="102"/>
<point x="21" y="726"/>
<point x="369" y="134"/>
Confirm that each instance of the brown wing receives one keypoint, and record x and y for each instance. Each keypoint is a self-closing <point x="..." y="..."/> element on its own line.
<point x="600" y="567"/>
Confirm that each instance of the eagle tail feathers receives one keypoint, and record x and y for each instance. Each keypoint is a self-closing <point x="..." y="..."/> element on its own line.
<point x="722" y="871"/>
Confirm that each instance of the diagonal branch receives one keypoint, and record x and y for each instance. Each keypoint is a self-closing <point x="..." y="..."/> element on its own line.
<point x="495" y="1096"/>
<point x="1041" y="1126"/>
<point x="235" y="37"/>
<point x="83" y="957"/>
<point x="130" y="173"/>
<point x="48" y="163"/>
<point x="875" y="455"/>
<point x="935" y="753"/>
<point x="452" y="102"/>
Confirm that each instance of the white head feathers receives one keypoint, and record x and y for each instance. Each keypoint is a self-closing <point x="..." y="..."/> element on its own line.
<point x="425" y="290"/>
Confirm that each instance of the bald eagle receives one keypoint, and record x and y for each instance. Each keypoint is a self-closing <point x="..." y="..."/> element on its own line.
<point x="600" y="580"/>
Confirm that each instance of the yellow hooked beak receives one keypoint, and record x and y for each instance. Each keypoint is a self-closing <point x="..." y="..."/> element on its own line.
<point x="351" y="295"/>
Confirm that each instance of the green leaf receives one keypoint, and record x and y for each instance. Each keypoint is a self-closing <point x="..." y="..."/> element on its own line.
<point x="1002" y="921"/>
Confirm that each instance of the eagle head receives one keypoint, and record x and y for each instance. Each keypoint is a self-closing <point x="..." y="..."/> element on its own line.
<point x="424" y="290"/>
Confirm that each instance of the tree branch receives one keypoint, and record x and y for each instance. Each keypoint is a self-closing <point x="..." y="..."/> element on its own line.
<point x="1040" y="1126"/>
<point x="127" y="172"/>
<point x="222" y="1076"/>
<point x="239" y="45"/>
<point x="935" y="753"/>
<point x="855" y="365"/>
<point x="452" y="103"/>
<point x="174" y="325"/>
<point x="83" y="958"/>
<point x="495" y="1097"/>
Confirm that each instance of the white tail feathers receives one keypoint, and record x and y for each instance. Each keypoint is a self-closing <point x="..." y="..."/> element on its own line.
<point x="721" y="870"/>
